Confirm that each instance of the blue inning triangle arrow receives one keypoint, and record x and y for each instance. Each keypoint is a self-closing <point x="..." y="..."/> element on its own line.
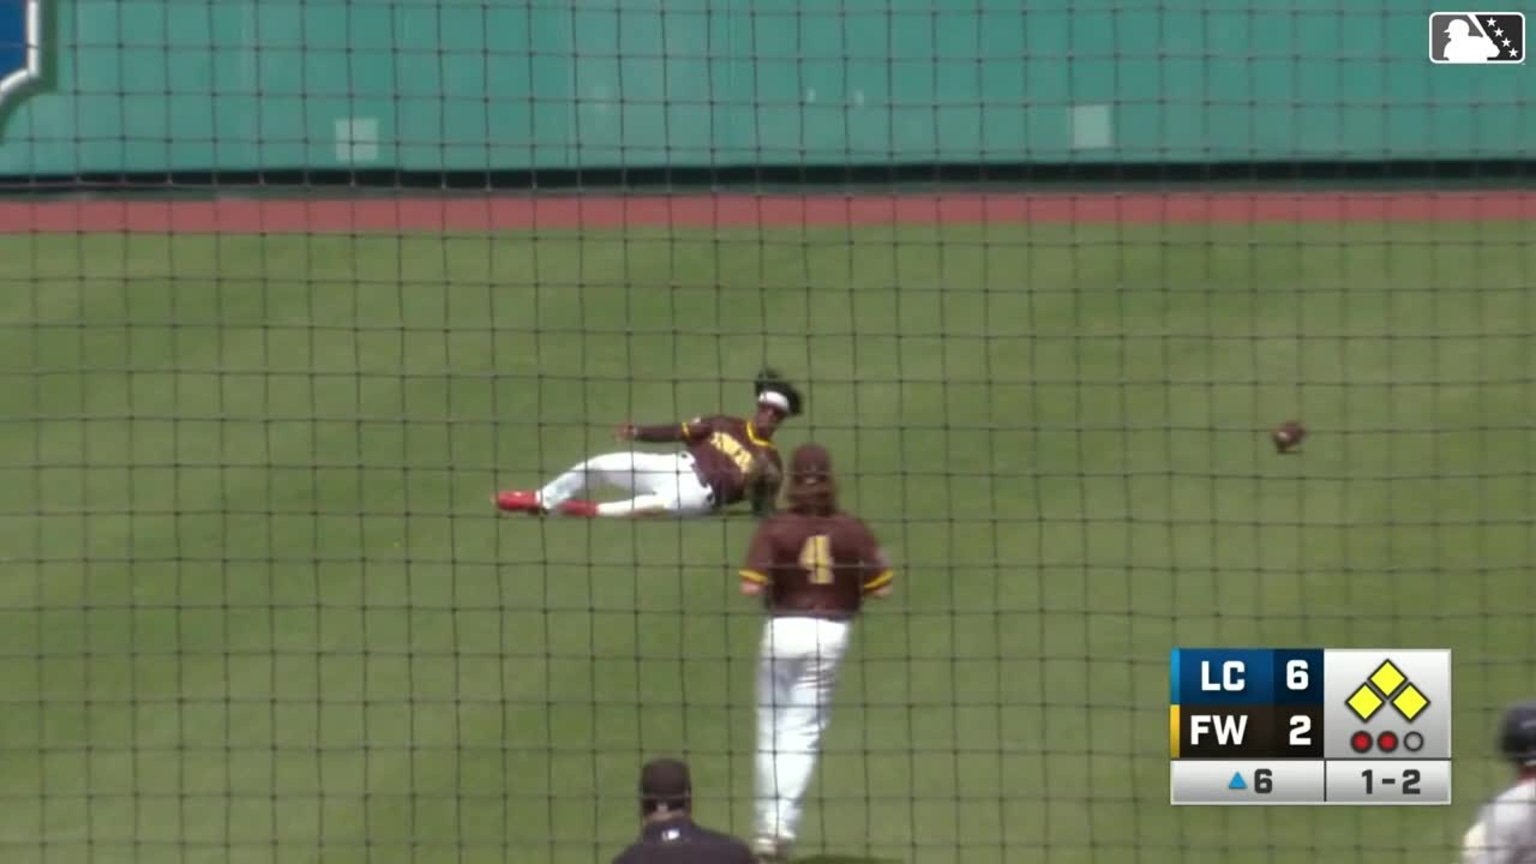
<point x="1237" y="782"/>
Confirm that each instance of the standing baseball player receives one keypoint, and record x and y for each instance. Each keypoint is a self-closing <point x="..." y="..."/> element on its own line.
<point x="1505" y="832"/>
<point x="727" y="460"/>
<point x="812" y="566"/>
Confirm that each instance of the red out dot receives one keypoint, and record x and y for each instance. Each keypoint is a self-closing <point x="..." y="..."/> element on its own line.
<point x="1360" y="742"/>
<point x="1387" y="741"/>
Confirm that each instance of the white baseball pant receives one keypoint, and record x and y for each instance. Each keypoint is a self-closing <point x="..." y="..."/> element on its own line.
<point x="659" y="482"/>
<point x="797" y="671"/>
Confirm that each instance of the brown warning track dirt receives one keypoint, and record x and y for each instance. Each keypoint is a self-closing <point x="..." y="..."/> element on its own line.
<point x="522" y="213"/>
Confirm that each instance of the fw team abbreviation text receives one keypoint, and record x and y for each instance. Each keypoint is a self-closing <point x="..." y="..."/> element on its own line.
<point x="1309" y="726"/>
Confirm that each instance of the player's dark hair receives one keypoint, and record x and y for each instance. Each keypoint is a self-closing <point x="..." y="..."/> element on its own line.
<point x="768" y="375"/>
<point x="771" y="379"/>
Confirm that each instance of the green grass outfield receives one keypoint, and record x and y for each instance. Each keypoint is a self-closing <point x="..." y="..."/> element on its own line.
<point x="255" y="607"/>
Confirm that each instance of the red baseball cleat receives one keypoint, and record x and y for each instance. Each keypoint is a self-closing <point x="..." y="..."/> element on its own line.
<point x="518" y="502"/>
<point x="573" y="507"/>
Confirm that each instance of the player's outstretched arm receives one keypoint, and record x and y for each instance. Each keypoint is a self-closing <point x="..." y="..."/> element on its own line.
<point x="765" y="491"/>
<point x="662" y="433"/>
<point x="878" y="574"/>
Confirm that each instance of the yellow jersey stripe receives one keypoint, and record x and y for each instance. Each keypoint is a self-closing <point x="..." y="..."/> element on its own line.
<point x="761" y="442"/>
<point x="879" y="581"/>
<point x="754" y="576"/>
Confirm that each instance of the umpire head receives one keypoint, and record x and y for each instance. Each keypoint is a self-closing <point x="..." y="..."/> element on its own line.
<point x="670" y="836"/>
<point x="666" y="790"/>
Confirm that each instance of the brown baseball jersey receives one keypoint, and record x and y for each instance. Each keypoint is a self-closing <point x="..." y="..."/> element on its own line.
<point x="730" y="455"/>
<point x="816" y="565"/>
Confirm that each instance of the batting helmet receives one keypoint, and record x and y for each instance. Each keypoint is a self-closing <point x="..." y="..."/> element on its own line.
<point x="1517" y="738"/>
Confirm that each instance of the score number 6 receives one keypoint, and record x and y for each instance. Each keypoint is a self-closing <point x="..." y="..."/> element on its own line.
<point x="1296" y="677"/>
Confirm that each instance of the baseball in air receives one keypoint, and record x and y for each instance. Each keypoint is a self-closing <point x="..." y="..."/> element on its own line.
<point x="1288" y="437"/>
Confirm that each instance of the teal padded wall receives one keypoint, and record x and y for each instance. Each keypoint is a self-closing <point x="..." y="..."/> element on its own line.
<point x="154" y="85"/>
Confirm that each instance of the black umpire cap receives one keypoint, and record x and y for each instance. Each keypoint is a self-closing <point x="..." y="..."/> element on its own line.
<point x="1517" y="738"/>
<point x="665" y="785"/>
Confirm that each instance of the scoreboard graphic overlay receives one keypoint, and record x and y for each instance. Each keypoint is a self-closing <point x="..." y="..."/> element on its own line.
<point x="1310" y="726"/>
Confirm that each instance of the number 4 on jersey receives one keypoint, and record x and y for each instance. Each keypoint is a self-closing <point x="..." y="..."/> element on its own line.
<point x="816" y="559"/>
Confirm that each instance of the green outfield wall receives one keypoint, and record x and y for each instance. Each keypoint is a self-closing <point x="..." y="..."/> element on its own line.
<point x="155" y="85"/>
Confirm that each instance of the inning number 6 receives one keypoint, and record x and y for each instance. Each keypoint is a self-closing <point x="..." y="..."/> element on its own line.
<point x="1296" y="675"/>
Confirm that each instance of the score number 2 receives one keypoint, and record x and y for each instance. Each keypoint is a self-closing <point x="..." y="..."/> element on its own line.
<point x="1301" y="731"/>
<point x="1410" y="781"/>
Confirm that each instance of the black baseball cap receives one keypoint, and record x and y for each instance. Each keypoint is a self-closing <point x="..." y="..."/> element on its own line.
<point x="1517" y="735"/>
<point x="665" y="783"/>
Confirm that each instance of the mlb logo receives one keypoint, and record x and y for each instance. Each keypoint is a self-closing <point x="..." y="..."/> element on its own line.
<point x="1477" y="37"/>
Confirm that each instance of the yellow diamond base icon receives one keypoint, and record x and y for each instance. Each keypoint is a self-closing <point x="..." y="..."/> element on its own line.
<point x="1387" y="679"/>
<point x="1410" y="702"/>
<point x="1364" y="703"/>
